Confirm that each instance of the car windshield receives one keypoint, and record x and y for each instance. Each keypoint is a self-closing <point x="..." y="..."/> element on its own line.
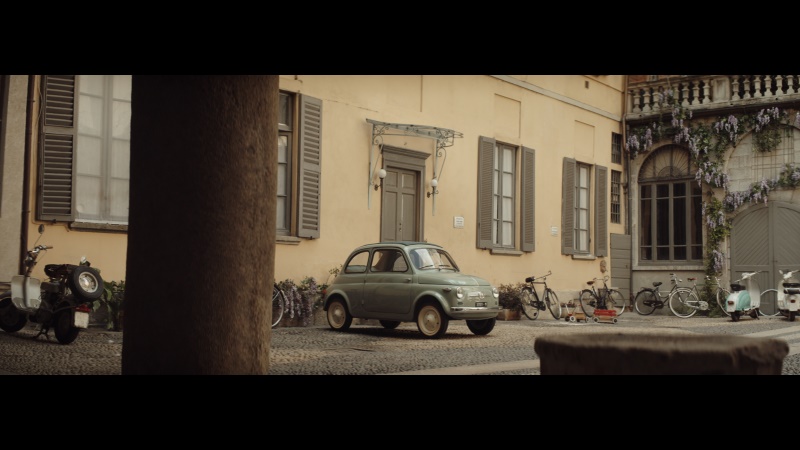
<point x="432" y="258"/>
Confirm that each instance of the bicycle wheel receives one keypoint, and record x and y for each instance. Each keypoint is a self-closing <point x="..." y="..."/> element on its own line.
<point x="588" y="302"/>
<point x="615" y="301"/>
<point x="769" y="303"/>
<point x="645" y="302"/>
<point x="553" y="304"/>
<point x="278" y="305"/>
<point x="722" y="298"/>
<point x="528" y="301"/>
<point x="683" y="302"/>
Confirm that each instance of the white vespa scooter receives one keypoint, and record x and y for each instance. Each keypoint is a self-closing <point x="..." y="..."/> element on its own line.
<point x="789" y="296"/>
<point x="745" y="299"/>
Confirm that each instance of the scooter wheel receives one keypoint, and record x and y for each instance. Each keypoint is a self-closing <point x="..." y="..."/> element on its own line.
<point x="86" y="282"/>
<point x="735" y="316"/>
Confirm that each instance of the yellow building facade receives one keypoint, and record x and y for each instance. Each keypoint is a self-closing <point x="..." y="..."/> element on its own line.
<point x="529" y="171"/>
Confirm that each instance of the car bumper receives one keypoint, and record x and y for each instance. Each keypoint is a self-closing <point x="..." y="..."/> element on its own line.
<point x="474" y="313"/>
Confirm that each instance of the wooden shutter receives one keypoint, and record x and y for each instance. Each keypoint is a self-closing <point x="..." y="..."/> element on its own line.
<point x="485" y="191"/>
<point x="528" y="201"/>
<point x="568" y="207"/>
<point x="600" y="211"/>
<point x="310" y="170"/>
<point x="57" y="137"/>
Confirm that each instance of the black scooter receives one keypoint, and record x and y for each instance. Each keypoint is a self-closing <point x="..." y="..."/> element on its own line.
<point x="62" y="303"/>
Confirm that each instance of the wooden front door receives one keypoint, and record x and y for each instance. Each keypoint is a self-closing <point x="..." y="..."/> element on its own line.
<point x="400" y="205"/>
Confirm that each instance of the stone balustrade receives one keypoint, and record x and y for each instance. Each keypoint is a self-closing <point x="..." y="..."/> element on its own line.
<point x="696" y="92"/>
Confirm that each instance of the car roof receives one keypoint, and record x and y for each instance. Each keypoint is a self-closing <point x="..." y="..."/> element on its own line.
<point x="398" y="244"/>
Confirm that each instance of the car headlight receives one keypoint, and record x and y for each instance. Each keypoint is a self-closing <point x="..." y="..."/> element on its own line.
<point x="459" y="293"/>
<point x="495" y="292"/>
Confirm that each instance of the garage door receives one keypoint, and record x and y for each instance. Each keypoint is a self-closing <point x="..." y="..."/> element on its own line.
<point x="766" y="238"/>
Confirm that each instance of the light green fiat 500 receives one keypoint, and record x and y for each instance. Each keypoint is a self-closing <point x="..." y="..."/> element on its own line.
<point x="396" y="282"/>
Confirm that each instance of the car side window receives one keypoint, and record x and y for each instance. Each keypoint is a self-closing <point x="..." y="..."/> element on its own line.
<point x="358" y="263"/>
<point x="388" y="260"/>
<point x="400" y="264"/>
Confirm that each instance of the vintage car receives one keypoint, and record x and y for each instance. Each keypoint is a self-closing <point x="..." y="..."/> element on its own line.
<point x="396" y="282"/>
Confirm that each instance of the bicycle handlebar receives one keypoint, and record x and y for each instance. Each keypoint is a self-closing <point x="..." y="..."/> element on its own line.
<point x="531" y="278"/>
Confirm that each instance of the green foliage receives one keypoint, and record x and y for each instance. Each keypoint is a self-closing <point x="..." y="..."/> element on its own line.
<point x="509" y="295"/>
<point x="789" y="177"/>
<point x="113" y="299"/>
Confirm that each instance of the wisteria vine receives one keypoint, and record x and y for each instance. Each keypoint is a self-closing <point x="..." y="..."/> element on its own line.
<point x="707" y="144"/>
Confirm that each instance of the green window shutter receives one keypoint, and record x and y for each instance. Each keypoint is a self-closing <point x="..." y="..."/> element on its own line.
<point x="485" y="191"/>
<point x="57" y="137"/>
<point x="310" y="171"/>
<point x="568" y="207"/>
<point x="601" y="211"/>
<point x="528" y="201"/>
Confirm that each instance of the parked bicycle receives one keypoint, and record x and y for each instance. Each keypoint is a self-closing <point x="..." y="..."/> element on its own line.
<point x="721" y="293"/>
<point x="278" y="304"/>
<point x="532" y="304"/>
<point x="648" y="300"/>
<point x="606" y="298"/>
<point x="685" y="302"/>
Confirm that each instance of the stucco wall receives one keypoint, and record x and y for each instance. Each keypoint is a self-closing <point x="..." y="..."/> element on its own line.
<point x="13" y="155"/>
<point x="539" y="112"/>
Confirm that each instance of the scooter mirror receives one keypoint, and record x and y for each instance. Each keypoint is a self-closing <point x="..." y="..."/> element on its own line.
<point x="41" y="228"/>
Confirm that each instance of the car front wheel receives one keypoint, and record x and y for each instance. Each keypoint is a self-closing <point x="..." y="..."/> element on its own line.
<point x="481" y="327"/>
<point x="339" y="317"/>
<point x="431" y="321"/>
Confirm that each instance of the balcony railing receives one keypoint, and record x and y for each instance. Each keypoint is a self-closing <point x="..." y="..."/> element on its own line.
<point x="703" y="92"/>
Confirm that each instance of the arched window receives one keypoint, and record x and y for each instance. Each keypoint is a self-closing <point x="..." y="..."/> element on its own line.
<point x="670" y="209"/>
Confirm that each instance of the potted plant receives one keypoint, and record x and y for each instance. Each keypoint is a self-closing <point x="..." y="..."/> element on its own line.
<point x="509" y="301"/>
<point x="113" y="298"/>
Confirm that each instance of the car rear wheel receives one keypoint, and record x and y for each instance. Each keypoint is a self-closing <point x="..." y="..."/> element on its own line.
<point x="339" y="317"/>
<point x="390" y="324"/>
<point x="431" y="321"/>
<point x="481" y="327"/>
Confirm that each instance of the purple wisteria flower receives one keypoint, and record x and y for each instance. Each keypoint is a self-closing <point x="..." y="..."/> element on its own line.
<point x="719" y="259"/>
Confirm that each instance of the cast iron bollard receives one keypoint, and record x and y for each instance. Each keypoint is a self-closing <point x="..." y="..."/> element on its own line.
<point x="652" y="354"/>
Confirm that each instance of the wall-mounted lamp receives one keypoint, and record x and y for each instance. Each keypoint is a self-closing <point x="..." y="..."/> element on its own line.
<point x="381" y="175"/>
<point x="434" y="191"/>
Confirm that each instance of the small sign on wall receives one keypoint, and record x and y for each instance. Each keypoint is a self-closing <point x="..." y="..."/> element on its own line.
<point x="554" y="231"/>
<point x="458" y="222"/>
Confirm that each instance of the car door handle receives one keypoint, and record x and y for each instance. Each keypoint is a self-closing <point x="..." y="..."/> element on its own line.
<point x="408" y="280"/>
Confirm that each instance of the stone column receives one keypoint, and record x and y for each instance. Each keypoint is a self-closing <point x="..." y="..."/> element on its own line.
<point x="201" y="237"/>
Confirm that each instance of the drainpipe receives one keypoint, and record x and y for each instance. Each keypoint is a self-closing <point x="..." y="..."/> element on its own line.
<point x="627" y="161"/>
<point x="26" y="175"/>
<point x="628" y="216"/>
